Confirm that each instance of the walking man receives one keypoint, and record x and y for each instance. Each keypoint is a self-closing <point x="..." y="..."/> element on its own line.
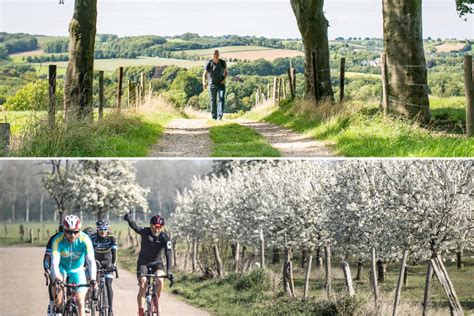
<point x="215" y="75"/>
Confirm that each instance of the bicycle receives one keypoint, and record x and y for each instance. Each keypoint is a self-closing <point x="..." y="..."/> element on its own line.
<point x="102" y="302"/>
<point x="151" y="296"/>
<point x="69" y="306"/>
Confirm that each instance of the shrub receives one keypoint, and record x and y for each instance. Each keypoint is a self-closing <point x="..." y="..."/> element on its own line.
<point x="33" y="96"/>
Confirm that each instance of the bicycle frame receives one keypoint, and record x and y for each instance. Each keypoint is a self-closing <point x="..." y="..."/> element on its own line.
<point x="69" y="306"/>
<point x="151" y="293"/>
<point x="102" y="303"/>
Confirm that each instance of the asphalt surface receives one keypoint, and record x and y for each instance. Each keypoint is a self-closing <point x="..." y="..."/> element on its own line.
<point x="23" y="291"/>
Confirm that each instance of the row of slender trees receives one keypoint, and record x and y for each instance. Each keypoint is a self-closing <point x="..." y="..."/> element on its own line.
<point x="363" y="211"/>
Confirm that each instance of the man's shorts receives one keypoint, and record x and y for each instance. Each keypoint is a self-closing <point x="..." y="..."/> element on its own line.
<point x="142" y="268"/>
<point x="76" y="276"/>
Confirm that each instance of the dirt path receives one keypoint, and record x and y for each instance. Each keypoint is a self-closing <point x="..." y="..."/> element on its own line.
<point x="184" y="138"/>
<point x="289" y="143"/>
<point x="21" y="279"/>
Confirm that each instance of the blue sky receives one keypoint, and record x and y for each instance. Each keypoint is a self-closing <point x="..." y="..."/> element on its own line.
<point x="270" y="18"/>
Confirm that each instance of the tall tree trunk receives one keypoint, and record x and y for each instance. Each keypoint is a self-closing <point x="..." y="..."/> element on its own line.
<point x="276" y="255"/>
<point x="319" y="259"/>
<point x="217" y="257"/>
<point x="360" y="268"/>
<point x="403" y="47"/>
<point x="459" y="259"/>
<point x="313" y="27"/>
<point x="194" y="256"/>
<point x="381" y="269"/>
<point x="13" y="211"/>
<point x="80" y="68"/>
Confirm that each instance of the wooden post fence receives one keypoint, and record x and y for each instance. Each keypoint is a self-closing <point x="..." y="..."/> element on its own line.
<point x="142" y="85"/>
<point x="327" y="253"/>
<point x="52" y="96"/>
<point x="469" y="90"/>
<point x="385" y="86"/>
<point x="443" y="277"/>
<point x="262" y="250"/>
<point x="342" y="79"/>
<point x="274" y="90"/>
<point x="6" y="230"/>
<point x="129" y="92"/>
<point x="373" y="276"/>
<point x="119" y="89"/>
<point x="401" y="275"/>
<point x="307" y="275"/>
<point x="348" y="278"/>
<point x="101" y="95"/>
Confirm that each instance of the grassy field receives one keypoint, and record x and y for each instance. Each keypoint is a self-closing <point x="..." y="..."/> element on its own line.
<point x="360" y="130"/>
<point x="226" y="49"/>
<point x="111" y="65"/>
<point x="234" y="140"/>
<point x="260" y="293"/>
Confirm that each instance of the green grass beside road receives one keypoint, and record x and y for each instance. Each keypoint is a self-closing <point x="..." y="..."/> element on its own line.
<point x="234" y="140"/>
<point x="361" y="130"/>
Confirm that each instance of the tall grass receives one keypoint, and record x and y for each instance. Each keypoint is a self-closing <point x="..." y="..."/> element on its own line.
<point x="129" y="133"/>
<point x="361" y="130"/>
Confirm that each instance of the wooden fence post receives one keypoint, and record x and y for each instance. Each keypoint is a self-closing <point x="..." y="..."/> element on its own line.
<point x="22" y="232"/>
<point x="6" y="230"/>
<point x="385" y="86"/>
<point x="101" y="94"/>
<point x="119" y="89"/>
<point x="373" y="275"/>
<point x="306" y="277"/>
<point x="342" y="79"/>
<point x="401" y="275"/>
<point x="236" y="257"/>
<point x="469" y="90"/>
<point x="427" y="293"/>
<point x="284" y="88"/>
<point x="142" y="85"/>
<point x="274" y="90"/>
<point x="52" y="95"/>
<point x="293" y="76"/>
<point x="443" y="277"/>
<point x="348" y="278"/>
<point x="262" y="250"/>
<point x="315" y="76"/>
<point x="30" y="235"/>
<point x="327" y="253"/>
<point x="292" y="92"/>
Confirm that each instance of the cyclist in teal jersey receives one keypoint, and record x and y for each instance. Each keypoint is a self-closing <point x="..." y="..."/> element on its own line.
<point x="68" y="253"/>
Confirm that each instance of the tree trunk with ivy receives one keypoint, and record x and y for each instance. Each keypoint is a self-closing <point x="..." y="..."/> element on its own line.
<point x="80" y="68"/>
<point x="313" y="27"/>
<point x="403" y="47"/>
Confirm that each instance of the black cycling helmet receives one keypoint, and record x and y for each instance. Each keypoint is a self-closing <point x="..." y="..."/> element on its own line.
<point x="102" y="224"/>
<point x="89" y="231"/>
<point x="157" y="220"/>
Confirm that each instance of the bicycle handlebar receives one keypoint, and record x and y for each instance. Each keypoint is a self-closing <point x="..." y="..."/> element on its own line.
<point x="158" y="277"/>
<point x="108" y="269"/>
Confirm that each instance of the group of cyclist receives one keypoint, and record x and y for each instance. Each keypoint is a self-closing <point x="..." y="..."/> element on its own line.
<point x="73" y="256"/>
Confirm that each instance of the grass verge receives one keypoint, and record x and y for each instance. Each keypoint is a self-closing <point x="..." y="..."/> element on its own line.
<point x="234" y="140"/>
<point x="360" y="130"/>
<point x="259" y="292"/>
<point x="126" y="134"/>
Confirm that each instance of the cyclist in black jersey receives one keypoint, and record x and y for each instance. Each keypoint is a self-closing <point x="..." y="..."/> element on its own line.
<point x="153" y="243"/>
<point x="47" y="269"/>
<point x="105" y="251"/>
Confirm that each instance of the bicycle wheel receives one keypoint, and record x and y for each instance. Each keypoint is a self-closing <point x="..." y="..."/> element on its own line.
<point x="155" y="303"/>
<point x="103" y="302"/>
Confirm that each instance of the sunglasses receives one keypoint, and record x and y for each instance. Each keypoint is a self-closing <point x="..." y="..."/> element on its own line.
<point x="157" y="226"/>
<point x="71" y="232"/>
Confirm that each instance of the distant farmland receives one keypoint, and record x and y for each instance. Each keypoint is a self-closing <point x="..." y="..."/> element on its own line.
<point x="246" y="52"/>
<point x="111" y="65"/>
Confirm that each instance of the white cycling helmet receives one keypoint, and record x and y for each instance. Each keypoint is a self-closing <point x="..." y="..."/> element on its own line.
<point x="72" y="222"/>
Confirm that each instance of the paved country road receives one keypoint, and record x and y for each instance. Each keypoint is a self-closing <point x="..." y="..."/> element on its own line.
<point x="23" y="291"/>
